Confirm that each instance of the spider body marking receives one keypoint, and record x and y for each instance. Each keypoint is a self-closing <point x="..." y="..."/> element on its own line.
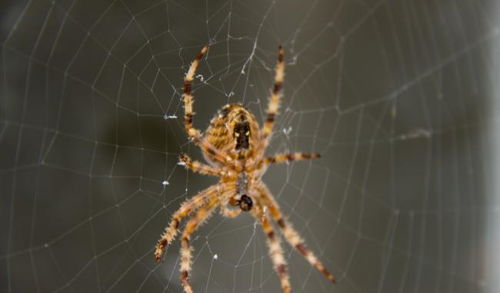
<point x="233" y="131"/>
<point x="234" y="147"/>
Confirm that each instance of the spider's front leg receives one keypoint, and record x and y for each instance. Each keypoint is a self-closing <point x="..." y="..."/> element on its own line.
<point x="291" y="235"/>
<point x="274" y="246"/>
<point x="186" y="250"/>
<point x="186" y="208"/>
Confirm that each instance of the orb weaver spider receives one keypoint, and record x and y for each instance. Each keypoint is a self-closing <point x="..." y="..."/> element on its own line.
<point x="234" y="147"/>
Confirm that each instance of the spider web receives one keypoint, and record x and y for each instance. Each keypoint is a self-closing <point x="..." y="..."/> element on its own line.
<point x="395" y="95"/>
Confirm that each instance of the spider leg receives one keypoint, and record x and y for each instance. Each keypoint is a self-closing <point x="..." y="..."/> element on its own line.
<point x="193" y="133"/>
<point x="274" y="246"/>
<point x="291" y="235"/>
<point x="274" y="99"/>
<point x="186" y="250"/>
<point x="198" y="167"/>
<point x="188" y="97"/>
<point x="186" y="208"/>
<point x="281" y="158"/>
<point x="286" y="157"/>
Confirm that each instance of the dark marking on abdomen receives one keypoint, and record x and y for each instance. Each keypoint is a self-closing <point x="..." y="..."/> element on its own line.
<point x="242" y="135"/>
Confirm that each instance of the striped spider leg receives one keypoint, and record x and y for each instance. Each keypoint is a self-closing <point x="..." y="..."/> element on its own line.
<point x="275" y="249"/>
<point x="291" y="235"/>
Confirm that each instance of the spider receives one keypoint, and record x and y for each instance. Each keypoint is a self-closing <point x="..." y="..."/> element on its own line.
<point x="234" y="147"/>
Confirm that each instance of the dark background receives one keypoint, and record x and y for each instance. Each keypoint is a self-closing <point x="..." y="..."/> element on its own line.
<point x="395" y="95"/>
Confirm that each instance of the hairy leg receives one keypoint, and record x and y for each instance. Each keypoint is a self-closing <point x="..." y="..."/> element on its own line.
<point x="285" y="157"/>
<point x="274" y="246"/>
<point x="193" y="133"/>
<point x="198" y="167"/>
<point x="188" y="97"/>
<point x="274" y="98"/>
<point x="186" y="208"/>
<point x="291" y="235"/>
<point x="186" y="250"/>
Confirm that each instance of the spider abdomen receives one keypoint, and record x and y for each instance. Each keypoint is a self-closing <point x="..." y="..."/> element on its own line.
<point x="233" y="130"/>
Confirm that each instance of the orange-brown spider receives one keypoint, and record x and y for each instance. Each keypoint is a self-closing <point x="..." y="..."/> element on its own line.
<point x="234" y="147"/>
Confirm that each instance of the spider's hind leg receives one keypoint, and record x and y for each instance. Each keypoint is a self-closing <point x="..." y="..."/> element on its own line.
<point x="188" y="96"/>
<point x="274" y="98"/>
<point x="193" y="133"/>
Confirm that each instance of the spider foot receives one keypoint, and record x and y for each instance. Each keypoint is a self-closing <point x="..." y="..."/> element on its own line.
<point x="160" y="249"/>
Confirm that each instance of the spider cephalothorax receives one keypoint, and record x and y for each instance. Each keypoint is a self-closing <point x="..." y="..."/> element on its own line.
<point x="234" y="147"/>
